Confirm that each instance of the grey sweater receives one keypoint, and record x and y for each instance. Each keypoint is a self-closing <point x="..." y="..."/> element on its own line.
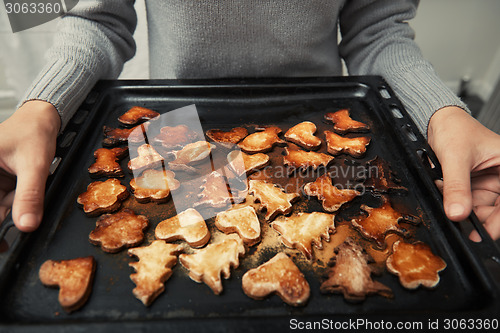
<point x="243" y="38"/>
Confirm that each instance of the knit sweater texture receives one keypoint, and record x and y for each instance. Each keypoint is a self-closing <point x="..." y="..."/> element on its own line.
<point x="243" y="39"/>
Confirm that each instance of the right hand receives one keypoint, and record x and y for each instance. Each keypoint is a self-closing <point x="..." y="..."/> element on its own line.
<point x="27" y="149"/>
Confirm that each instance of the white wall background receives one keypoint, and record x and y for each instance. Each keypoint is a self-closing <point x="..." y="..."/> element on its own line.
<point x="459" y="37"/>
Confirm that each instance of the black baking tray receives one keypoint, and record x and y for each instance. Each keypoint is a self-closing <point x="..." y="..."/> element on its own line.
<point x="466" y="289"/>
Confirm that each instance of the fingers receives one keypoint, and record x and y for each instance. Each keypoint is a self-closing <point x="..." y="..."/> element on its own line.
<point x="27" y="209"/>
<point x="439" y="185"/>
<point x="483" y="198"/>
<point x="456" y="187"/>
<point x="483" y="212"/>
<point x="490" y="182"/>
<point x="491" y="224"/>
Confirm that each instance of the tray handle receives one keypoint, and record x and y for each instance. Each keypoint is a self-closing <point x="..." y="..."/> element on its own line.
<point x="5" y="226"/>
<point x="414" y="140"/>
<point x="487" y="247"/>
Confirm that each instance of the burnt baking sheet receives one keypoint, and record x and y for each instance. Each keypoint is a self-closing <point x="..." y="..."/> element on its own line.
<point x="465" y="286"/>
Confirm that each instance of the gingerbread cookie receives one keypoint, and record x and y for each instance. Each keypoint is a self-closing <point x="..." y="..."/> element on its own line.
<point x="351" y="274"/>
<point x="153" y="269"/>
<point x="330" y="196"/>
<point x="303" y="135"/>
<point x="336" y="144"/>
<point x="241" y="163"/>
<point x="243" y="221"/>
<point x="188" y="225"/>
<point x="73" y="277"/>
<point x="106" y="162"/>
<point x="379" y="222"/>
<point x="304" y="230"/>
<point x="415" y="264"/>
<point x="114" y="232"/>
<point x="261" y="142"/>
<point x="272" y="198"/>
<point x="154" y="185"/>
<point x="207" y="264"/>
<point x="280" y="276"/>
<point x="380" y="178"/>
<point x="103" y="197"/>
<point x="132" y="136"/>
<point x="137" y="114"/>
<point x="147" y="158"/>
<point x="215" y="192"/>
<point x="191" y="155"/>
<point x="175" y="137"/>
<point x="227" y="139"/>
<point x="343" y="123"/>
<point x="302" y="160"/>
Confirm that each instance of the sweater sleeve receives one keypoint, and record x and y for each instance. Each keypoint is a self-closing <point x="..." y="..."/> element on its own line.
<point x="93" y="42"/>
<point x="377" y="40"/>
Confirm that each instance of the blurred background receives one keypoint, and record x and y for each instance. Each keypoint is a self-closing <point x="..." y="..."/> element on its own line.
<point x="459" y="37"/>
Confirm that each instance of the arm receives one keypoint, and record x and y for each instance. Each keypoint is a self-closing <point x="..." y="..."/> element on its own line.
<point x="377" y="40"/>
<point x="94" y="41"/>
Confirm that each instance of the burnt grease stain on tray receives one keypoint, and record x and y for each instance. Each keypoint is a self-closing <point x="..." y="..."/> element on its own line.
<point x="112" y="299"/>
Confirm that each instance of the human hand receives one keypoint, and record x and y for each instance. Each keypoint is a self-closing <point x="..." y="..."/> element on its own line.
<point x="469" y="154"/>
<point x="26" y="150"/>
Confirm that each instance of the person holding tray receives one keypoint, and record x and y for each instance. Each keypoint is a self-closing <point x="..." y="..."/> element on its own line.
<point x="220" y="39"/>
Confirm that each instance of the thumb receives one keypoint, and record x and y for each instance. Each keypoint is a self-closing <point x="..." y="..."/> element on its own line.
<point x="456" y="187"/>
<point x="27" y="209"/>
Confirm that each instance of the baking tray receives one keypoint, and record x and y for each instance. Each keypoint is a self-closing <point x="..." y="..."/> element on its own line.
<point x="466" y="289"/>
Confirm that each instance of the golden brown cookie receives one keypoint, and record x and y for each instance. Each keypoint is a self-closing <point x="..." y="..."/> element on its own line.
<point x="304" y="230"/>
<point x="415" y="264"/>
<point x="154" y="185"/>
<point x="303" y="135"/>
<point x="227" y="139"/>
<point x="114" y="232"/>
<point x="243" y="221"/>
<point x="153" y="269"/>
<point x="343" y="123"/>
<point x="175" y="137"/>
<point x="351" y="274"/>
<point x="261" y="142"/>
<point x="191" y="155"/>
<point x="215" y="192"/>
<point x="330" y="196"/>
<point x="207" y="264"/>
<point x="244" y="164"/>
<point x="188" y="225"/>
<point x="302" y="160"/>
<point x="137" y="114"/>
<point x="106" y="162"/>
<point x="147" y="158"/>
<point x="336" y="144"/>
<point x="379" y="222"/>
<point x="280" y="276"/>
<point x="73" y="277"/>
<point x="115" y="136"/>
<point x="272" y="198"/>
<point x="103" y="197"/>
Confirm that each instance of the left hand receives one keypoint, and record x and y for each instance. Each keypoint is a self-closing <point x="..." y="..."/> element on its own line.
<point x="469" y="154"/>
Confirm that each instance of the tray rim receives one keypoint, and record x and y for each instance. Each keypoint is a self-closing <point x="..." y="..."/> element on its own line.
<point x="246" y="83"/>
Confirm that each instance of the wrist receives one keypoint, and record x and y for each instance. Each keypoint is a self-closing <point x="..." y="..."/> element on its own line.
<point x="444" y="120"/>
<point x="44" y="114"/>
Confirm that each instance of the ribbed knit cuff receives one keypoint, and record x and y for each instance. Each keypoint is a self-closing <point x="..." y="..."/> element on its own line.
<point x="64" y="84"/>
<point x="423" y="93"/>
